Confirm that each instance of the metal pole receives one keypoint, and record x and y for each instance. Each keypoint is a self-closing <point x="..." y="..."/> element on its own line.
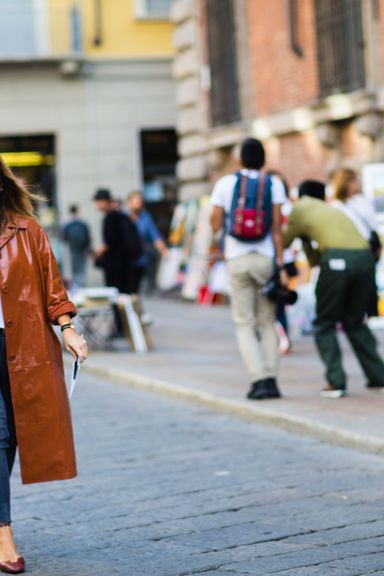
<point x="98" y="37"/>
<point x="297" y="49"/>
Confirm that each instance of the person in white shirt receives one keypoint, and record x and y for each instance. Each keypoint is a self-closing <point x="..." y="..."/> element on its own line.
<point x="251" y="265"/>
<point x="348" y="196"/>
<point x="360" y="209"/>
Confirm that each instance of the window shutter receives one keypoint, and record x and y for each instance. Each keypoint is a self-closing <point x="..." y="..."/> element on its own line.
<point x="225" y="107"/>
<point x="340" y="45"/>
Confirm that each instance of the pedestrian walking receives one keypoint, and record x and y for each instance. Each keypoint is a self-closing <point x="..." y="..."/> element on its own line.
<point x="153" y="242"/>
<point x="248" y="204"/>
<point x="342" y="293"/>
<point x="121" y="248"/>
<point x="76" y="234"/>
<point x="360" y="209"/>
<point x="283" y="330"/>
<point x="34" y="410"/>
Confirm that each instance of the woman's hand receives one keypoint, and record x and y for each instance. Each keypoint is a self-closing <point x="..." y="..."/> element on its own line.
<point x="75" y="344"/>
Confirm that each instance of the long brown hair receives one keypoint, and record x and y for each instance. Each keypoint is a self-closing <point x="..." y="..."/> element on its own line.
<point x="15" y="198"/>
<point x="341" y="181"/>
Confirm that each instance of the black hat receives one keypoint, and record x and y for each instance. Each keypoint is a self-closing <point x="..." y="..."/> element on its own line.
<point x="103" y="194"/>
<point x="312" y="188"/>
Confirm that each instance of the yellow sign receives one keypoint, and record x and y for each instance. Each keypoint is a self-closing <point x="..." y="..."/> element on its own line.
<point x="15" y="159"/>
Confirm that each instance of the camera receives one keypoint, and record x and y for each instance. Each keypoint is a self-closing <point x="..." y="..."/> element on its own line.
<point x="278" y="293"/>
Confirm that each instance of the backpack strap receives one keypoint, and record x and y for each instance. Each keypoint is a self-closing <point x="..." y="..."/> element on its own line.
<point x="243" y="189"/>
<point x="260" y="201"/>
<point x="261" y="191"/>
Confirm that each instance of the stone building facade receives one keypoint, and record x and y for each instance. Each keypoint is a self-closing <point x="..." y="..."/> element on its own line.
<point x="305" y="76"/>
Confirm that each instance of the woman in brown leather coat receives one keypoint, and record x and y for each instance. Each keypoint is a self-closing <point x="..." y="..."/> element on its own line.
<point x="34" y="409"/>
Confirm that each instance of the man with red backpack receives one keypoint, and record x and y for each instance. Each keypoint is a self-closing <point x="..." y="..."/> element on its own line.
<point x="248" y="205"/>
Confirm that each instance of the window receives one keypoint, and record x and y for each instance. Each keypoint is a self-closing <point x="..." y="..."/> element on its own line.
<point x="340" y="45"/>
<point x="153" y="9"/>
<point x="16" y="28"/>
<point x="23" y="28"/>
<point x="225" y="107"/>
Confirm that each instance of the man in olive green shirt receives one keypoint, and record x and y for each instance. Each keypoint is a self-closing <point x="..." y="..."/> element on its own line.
<point x="346" y="270"/>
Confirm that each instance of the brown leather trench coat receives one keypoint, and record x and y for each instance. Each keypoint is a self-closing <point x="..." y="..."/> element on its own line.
<point x="33" y="297"/>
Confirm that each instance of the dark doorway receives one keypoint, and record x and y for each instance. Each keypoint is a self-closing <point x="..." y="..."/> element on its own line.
<point x="32" y="158"/>
<point x="159" y="156"/>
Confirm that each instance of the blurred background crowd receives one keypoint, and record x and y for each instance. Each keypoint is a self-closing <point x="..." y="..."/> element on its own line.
<point x="150" y="99"/>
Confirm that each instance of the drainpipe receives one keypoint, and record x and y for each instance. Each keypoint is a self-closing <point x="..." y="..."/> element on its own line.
<point x="76" y="30"/>
<point x="98" y="37"/>
<point x="295" y="46"/>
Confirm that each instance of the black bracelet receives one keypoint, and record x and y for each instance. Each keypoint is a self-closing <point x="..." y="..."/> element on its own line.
<point x="66" y="326"/>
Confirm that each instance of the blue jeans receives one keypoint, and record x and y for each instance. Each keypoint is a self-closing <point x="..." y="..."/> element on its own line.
<point x="8" y="442"/>
<point x="281" y="316"/>
<point x="79" y="268"/>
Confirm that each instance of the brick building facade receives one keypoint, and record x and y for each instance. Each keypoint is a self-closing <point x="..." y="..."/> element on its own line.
<point x="305" y="76"/>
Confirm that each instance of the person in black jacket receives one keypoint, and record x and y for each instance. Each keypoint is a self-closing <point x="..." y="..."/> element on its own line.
<point x="121" y="247"/>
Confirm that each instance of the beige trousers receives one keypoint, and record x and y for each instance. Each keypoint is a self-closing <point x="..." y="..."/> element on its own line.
<point x="253" y="314"/>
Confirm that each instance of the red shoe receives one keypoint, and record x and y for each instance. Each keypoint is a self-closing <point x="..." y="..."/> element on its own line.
<point x="17" y="567"/>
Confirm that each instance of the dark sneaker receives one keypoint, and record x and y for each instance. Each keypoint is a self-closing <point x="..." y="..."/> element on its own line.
<point x="374" y="386"/>
<point x="272" y="389"/>
<point x="258" y="390"/>
<point x="264" y="390"/>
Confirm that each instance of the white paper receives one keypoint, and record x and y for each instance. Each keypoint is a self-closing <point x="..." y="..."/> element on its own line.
<point x="338" y="264"/>
<point x="135" y="326"/>
<point x="75" y="374"/>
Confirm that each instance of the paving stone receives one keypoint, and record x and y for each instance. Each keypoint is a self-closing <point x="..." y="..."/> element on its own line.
<point x="166" y="489"/>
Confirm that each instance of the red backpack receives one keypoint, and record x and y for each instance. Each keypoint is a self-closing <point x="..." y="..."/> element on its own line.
<point x="251" y="210"/>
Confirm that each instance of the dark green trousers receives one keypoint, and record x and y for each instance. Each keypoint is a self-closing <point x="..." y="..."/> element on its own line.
<point x="342" y="293"/>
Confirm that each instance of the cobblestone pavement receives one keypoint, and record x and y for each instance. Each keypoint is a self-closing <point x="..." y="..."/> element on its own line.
<point x="167" y="489"/>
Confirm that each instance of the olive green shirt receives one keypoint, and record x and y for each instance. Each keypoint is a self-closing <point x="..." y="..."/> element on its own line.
<point x="325" y="224"/>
